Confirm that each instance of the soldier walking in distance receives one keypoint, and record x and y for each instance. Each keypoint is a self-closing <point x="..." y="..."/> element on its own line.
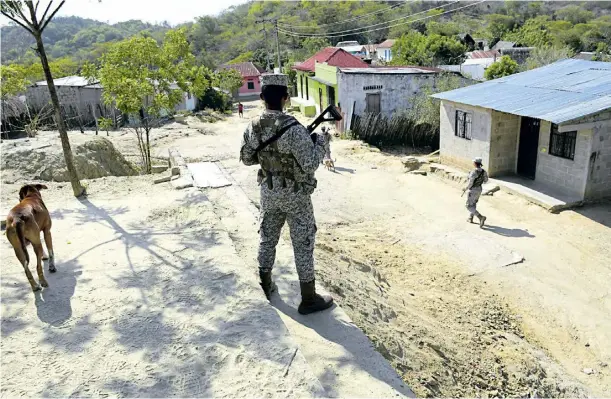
<point x="477" y="177"/>
<point x="288" y="158"/>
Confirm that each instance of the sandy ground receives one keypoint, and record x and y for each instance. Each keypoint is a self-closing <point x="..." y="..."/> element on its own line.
<point x="434" y="293"/>
<point x="430" y="290"/>
<point x="150" y="300"/>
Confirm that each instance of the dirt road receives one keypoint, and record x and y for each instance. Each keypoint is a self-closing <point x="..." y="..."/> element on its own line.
<point x="433" y="291"/>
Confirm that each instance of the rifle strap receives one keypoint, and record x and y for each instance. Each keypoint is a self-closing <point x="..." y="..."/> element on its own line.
<point x="276" y="136"/>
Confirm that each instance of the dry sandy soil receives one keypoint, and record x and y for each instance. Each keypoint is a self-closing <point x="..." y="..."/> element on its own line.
<point x="433" y="292"/>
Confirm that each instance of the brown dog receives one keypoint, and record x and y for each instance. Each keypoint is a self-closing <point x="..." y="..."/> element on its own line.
<point x="329" y="164"/>
<point x="24" y="224"/>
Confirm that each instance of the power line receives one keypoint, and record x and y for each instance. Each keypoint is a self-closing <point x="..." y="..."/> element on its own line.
<point x="341" y="22"/>
<point x="338" y="34"/>
<point x="350" y="31"/>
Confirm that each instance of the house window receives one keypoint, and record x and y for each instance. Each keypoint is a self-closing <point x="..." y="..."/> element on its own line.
<point x="373" y="87"/>
<point x="462" y="126"/>
<point x="562" y="144"/>
<point x="251" y="85"/>
<point x="189" y="96"/>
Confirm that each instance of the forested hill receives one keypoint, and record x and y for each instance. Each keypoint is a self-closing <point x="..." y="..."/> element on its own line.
<point x="74" y="37"/>
<point x="235" y="35"/>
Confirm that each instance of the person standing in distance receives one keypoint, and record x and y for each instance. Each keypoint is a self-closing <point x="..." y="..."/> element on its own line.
<point x="240" y="110"/>
<point x="288" y="158"/>
<point x="477" y="177"/>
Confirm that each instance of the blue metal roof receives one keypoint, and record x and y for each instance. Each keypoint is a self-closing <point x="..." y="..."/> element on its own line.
<point x="559" y="92"/>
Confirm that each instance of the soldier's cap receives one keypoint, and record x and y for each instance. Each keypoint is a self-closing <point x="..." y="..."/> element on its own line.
<point x="477" y="160"/>
<point x="274" y="79"/>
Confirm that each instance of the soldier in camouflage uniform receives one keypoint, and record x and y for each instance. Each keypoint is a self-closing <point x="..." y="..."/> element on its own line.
<point x="477" y="177"/>
<point x="287" y="181"/>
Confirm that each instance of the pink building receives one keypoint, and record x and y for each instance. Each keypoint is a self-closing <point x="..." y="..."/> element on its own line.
<point x="250" y="74"/>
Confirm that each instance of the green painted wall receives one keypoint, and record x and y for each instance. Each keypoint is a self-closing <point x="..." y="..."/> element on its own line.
<point x="327" y="73"/>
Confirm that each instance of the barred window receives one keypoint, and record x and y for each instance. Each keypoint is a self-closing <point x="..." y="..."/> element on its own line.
<point x="562" y="144"/>
<point x="462" y="127"/>
<point x="373" y="87"/>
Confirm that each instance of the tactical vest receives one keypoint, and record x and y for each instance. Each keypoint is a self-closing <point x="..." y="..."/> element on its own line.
<point x="273" y="162"/>
<point x="479" y="180"/>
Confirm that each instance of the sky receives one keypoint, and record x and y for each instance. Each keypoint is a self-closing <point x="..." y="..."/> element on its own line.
<point x="154" y="11"/>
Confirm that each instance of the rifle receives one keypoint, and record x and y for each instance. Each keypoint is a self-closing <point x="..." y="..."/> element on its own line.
<point x="335" y="116"/>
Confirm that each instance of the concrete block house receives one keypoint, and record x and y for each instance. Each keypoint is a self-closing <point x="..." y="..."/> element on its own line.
<point x="384" y="50"/>
<point x="251" y="87"/>
<point x="316" y="79"/>
<point x="551" y="125"/>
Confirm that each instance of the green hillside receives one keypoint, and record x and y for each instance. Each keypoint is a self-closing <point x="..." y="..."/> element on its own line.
<point x="235" y="35"/>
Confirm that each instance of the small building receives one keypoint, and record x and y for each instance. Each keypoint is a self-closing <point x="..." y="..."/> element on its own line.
<point x="385" y="50"/>
<point x="518" y="54"/>
<point x="81" y="101"/>
<point x="353" y="48"/>
<point x="316" y="85"/>
<point x="383" y="90"/>
<point x="250" y="72"/>
<point x="551" y="124"/>
<point x="585" y="55"/>
<point x="502" y="44"/>
<point x="467" y="40"/>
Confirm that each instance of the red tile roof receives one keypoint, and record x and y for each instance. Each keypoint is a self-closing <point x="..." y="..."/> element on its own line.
<point x="245" y="69"/>
<point x="388" y="43"/>
<point x="484" y="54"/>
<point x="333" y="56"/>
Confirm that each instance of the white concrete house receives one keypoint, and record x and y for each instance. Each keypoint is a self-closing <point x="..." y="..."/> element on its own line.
<point x="551" y="125"/>
<point x="384" y="50"/>
<point x="383" y="90"/>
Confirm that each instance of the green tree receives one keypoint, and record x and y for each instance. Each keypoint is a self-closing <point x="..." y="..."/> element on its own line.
<point x="12" y="80"/>
<point x="228" y="79"/>
<point x="534" y="33"/>
<point x="541" y="56"/>
<point x="414" y="48"/>
<point x="144" y="80"/>
<point x="35" y="24"/>
<point x="497" y="25"/>
<point x="574" y="14"/>
<point x="505" y="66"/>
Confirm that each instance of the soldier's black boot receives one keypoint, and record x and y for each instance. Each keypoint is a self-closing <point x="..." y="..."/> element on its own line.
<point x="311" y="301"/>
<point x="266" y="283"/>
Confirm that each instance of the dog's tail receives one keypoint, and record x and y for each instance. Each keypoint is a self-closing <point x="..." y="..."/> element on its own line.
<point x="18" y="225"/>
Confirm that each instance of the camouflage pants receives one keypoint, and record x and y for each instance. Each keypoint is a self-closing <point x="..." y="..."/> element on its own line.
<point x="302" y="226"/>
<point x="472" y="198"/>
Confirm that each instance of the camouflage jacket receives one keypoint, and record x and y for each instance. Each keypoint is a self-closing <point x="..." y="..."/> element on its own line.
<point x="299" y="156"/>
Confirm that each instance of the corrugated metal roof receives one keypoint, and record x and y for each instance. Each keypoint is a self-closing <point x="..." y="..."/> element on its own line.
<point x="75" y="81"/>
<point x="246" y="69"/>
<point x="353" y="49"/>
<point x="388" y="43"/>
<point x="390" y="71"/>
<point x="559" y="92"/>
<point x="483" y="54"/>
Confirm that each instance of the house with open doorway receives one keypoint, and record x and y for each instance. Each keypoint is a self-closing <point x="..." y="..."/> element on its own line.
<point x="250" y="72"/>
<point x="317" y="80"/>
<point x="550" y="126"/>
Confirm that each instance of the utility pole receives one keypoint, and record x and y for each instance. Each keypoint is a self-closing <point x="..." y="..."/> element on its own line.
<point x="266" y="49"/>
<point x="275" y="22"/>
<point x="277" y="45"/>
